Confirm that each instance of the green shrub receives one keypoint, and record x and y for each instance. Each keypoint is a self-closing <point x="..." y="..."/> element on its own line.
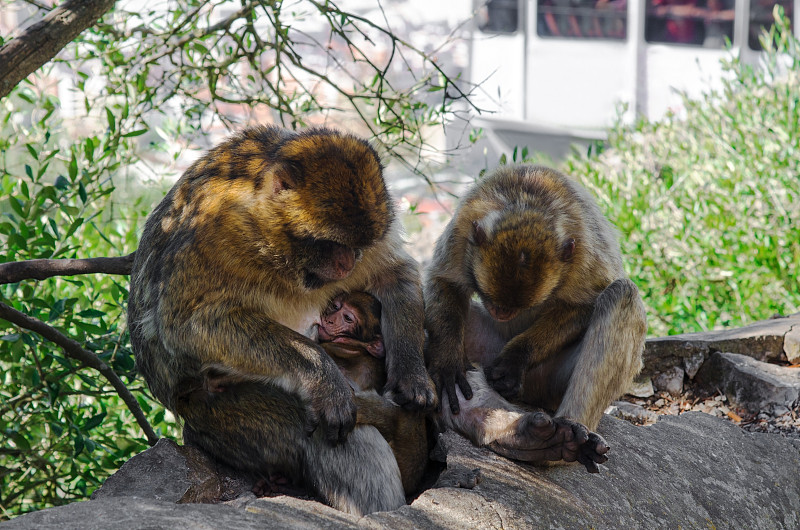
<point x="708" y="203"/>
<point x="64" y="429"/>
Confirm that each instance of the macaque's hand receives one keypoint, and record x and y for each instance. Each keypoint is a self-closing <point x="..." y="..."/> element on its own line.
<point x="332" y="406"/>
<point x="446" y="377"/>
<point x="505" y="374"/>
<point x="412" y="389"/>
<point x="540" y="438"/>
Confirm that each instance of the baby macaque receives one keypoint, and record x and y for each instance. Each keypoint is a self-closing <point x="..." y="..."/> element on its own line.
<point x="350" y="331"/>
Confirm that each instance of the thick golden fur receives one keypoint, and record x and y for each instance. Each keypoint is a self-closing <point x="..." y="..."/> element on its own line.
<point x="559" y="325"/>
<point x="233" y="267"/>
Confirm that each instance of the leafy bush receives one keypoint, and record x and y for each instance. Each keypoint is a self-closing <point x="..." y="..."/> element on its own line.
<point x="64" y="428"/>
<point x="708" y="203"/>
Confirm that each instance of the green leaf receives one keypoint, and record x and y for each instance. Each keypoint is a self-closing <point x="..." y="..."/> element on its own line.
<point x="91" y="313"/>
<point x="112" y="124"/>
<point x="58" y="430"/>
<point x="61" y="182"/>
<point x="89" y="328"/>
<point x="42" y="170"/>
<point x="18" y="440"/>
<point x="88" y="149"/>
<point x="17" y="205"/>
<point x="78" y="445"/>
<point x="74" y="226"/>
<point x="94" y="421"/>
<point x="90" y="445"/>
<point x="134" y="133"/>
<point x="56" y="309"/>
<point x="73" y="167"/>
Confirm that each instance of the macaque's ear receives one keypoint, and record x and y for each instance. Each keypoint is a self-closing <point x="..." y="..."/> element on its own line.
<point x="568" y="249"/>
<point x="284" y="178"/>
<point x="478" y="234"/>
<point x="375" y="348"/>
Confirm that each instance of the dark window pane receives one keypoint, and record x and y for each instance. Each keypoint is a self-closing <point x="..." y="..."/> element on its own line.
<point x="583" y="19"/>
<point x="499" y="16"/>
<point x="761" y="18"/>
<point x="705" y="23"/>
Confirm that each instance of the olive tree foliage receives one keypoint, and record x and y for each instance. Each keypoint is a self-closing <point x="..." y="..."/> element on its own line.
<point x="149" y="77"/>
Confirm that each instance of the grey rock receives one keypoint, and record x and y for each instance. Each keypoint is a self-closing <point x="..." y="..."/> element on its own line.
<point x="670" y="380"/>
<point x="692" y="364"/>
<point x="779" y="410"/>
<point x="688" y="471"/>
<point x="169" y="472"/>
<point x="751" y="384"/>
<point x="791" y="345"/>
<point x="762" y="340"/>
<point x="642" y="387"/>
<point x="632" y="412"/>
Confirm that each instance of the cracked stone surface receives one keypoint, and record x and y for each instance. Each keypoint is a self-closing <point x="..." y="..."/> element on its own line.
<point x="768" y="340"/>
<point x="751" y="384"/>
<point x="688" y="471"/>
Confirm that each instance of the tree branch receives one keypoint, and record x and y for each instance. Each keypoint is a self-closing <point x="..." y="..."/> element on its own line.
<point x="87" y="358"/>
<point x="43" y="40"/>
<point x="41" y="269"/>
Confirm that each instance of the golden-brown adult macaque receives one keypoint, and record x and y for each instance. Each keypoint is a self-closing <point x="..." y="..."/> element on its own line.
<point x="558" y="326"/>
<point x="234" y="264"/>
<point x="350" y="332"/>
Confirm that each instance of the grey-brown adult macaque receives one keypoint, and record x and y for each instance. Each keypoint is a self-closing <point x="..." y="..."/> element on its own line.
<point x="558" y="325"/>
<point x="233" y="266"/>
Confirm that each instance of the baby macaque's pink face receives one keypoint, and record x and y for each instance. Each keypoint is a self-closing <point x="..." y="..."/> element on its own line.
<point x="348" y="320"/>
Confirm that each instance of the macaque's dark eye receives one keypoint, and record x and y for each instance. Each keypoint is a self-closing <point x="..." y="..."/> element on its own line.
<point x="337" y="305"/>
<point x="348" y="318"/>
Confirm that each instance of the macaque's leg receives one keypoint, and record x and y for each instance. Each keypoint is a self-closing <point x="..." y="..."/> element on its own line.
<point x="488" y="420"/>
<point x="260" y="428"/>
<point x="360" y="476"/>
<point x="608" y="357"/>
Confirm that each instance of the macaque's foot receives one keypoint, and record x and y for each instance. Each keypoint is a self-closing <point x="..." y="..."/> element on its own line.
<point x="536" y="438"/>
<point x="505" y="376"/>
<point x="593" y="452"/>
